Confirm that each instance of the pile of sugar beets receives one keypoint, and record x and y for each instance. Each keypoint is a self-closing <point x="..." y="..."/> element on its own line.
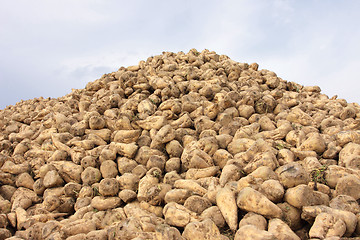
<point x="182" y="146"/>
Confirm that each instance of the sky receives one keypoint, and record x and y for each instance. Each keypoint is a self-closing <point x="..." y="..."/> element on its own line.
<point x="48" y="47"/>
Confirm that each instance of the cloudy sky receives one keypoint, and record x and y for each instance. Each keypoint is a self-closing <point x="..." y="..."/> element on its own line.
<point x="48" y="47"/>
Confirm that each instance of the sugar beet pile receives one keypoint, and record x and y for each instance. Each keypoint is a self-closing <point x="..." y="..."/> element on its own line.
<point x="182" y="146"/>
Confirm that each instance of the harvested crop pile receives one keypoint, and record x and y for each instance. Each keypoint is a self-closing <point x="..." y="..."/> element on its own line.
<point x="182" y="146"/>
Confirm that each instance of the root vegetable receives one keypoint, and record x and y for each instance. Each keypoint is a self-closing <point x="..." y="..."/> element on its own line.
<point x="226" y="201"/>
<point x="108" y="169"/>
<point x="221" y="157"/>
<point x="126" y="136"/>
<point x="5" y="206"/>
<point x="299" y="116"/>
<point x="139" y="171"/>
<point x="240" y="145"/>
<point x="70" y="171"/>
<point x="6" y="191"/>
<point x="280" y="230"/>
<point x="229" y="173"/>
<point x="254" y="219"/>
<point x="88" y="161"/>
<point x="265" y="173"/>
<point x="58" y="155"/>
<point x="163" y="232"/>
<point x="248" y="232"/>
<point x="52" y="179"/>
<point x="177" y="195"/>
<point x="128" y="181"/>
<point x="125" y="165"/>
<point x="157" y="210"/>
<point x="190" y="185"/>
<point x="273" y="190"/>
<point x="348" y="218"/>
<point x="127" y="195"/>
<point x="4" y="233"/>
<point x="97" y="234"/>
<point x="25" y="180"/>
<point x="348" y="156"/>
<point x="201" y="230"/>
<point x="147" y="182"/>
<point x="314" y="142"/>
<point x="96" y="122"/>
<point x="346" y="203"/>
<point x="51" y="203"/>
<point x="193" y="157"/>
<point x="251" y="200"/>
<point x="124" y="149"/>
<point x="246" y="111"/>
<point x="90" y="175"/>
<point x="177" y="215"/>
<point x="10" y="167"/>
<point x="156" y="161"/>
<point x="21" y="217"/>
<point x="152" y="122"/>
<point x="223" y="140"/>
<point x="291" y="215"/>
<point x="79" y="226"/>
<point x="303" y="195"/>
<point x="326" y="226"/>
<point x="197" y="204"/>
<point x="215" y="215"/>
<point x="173" y="164"/>
<point x="107" y="154"/>
<point x="195" y="174"/>
<point x="292" y="174"/>
<point x="348" y="185"/>
<point x="104" y="134"/>
<point x="103" y="203"/>
<point x="109" y="187"/>
<point x="334" y="173"/>
<point x="174" y="148"/>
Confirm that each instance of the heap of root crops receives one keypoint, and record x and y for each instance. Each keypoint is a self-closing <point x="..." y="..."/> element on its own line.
<point x="182" y="146"/>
